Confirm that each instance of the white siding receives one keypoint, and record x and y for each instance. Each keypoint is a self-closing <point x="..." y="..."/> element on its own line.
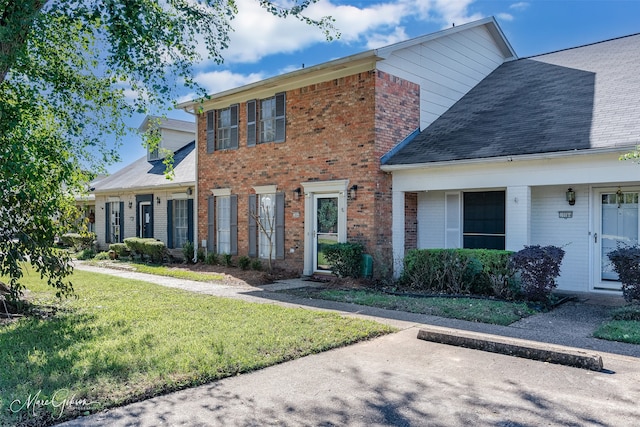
<point x="445" y="68"/>
<point x="174" y="140"/>
<point x="431" y="211"/>
<point x="571" y="234"/>
<point x="518" y="217"/>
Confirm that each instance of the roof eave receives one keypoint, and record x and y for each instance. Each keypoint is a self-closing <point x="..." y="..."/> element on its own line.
<point x="504" y="159"/>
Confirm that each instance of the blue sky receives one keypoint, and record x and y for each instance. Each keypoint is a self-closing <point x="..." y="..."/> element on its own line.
<point x="263" y="46"/>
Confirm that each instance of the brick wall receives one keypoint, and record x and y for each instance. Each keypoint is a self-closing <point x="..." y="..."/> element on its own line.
<point x="335" y="130"/>
<point x="410" y="221"/>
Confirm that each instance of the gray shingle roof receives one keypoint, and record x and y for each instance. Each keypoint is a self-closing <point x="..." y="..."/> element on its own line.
<point x="576" y="99"/>
<point x="144" y="174"/>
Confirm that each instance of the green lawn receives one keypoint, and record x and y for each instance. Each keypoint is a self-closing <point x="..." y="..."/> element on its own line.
<point x="160" y="270"/>
<point x="624" y="325"/>
<point x="124" y="340"/>
<point x="472" y="309"/>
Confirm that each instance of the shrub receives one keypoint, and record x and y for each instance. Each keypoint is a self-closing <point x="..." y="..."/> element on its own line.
<point x="101" y="256"/>
<point x="188" y="252"/>
<point x="243" y="262"/>
<point x="78" y="241"/>
<point x="227" y="260"/>
<point x="451" y="271"/>
<point x="154" y="249"/>
<point x="211" y="259"/>
<point x="344" y="258"/>
<point x="256" y="264"/>
<point x="200" y="255"/>
<point x="626" y="262"/>
<point x="86" y="254"/>
<point x="460" y="271"/>
<point x="538" y="267"/>
<point x="121" y="250"/>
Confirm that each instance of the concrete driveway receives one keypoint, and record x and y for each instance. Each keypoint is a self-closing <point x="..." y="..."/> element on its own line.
<point x="401" y="381"/>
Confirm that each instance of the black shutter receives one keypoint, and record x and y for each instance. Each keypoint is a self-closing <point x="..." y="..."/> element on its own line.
<point x="280" y="117"/>
<point x="279" y="225"/>
<point x="190" y="235"/>
<point x="233" y="138"/>
<point x="211" y="247"/>
<point x="211" y="132"/>
<point x="107" y="223"/>
<point x="170" y="224"/>
<point x="233" y="222"/>
<point x="251" y="123"/>
<point x="121" y="222"/>
<point x="253" y="227"/>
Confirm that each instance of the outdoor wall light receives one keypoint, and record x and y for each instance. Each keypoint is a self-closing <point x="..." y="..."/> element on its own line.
<point x="158" y="200"/>
<point x="619" y="196"/>
<point x="296" y="193"/>
<point x="353" y="192"/>
<point x="130" y="204"/>
<point x="189" y="191"/>
<point x="571" y="196"/>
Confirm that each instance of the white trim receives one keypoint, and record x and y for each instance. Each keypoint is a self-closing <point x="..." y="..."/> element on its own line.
<point x="179" y="196"/>
<point x="265" y="189"/>
<point x="508" y="159"/>
<point x="325" y="186"/>
<point x="220" y="192"/>
<point x="111" y="199"/>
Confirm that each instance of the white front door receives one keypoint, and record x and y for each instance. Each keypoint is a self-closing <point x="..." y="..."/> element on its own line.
<point x="617" y="223"/>
<point x="325" y="209"/>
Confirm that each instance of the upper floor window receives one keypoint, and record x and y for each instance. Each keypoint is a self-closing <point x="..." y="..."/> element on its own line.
<point x="269" y="116"/>
<point x="222" y="129"/>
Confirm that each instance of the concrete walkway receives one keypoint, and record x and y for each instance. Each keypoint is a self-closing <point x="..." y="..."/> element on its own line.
<point x="400" y="380"/>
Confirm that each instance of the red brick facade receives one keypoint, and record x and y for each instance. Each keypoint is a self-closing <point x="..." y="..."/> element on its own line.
<point x="335" y="130"/>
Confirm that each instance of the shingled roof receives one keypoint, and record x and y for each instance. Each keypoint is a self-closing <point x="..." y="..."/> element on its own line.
<point x="575" y="99"/>
<point x="145" y="174"/>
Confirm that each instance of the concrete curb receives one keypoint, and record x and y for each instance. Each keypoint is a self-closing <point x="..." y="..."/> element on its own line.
<point x="513" y="347"/>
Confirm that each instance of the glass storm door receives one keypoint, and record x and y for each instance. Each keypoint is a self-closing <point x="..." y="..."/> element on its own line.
<point x="145" y="220"/>
<point x="325" y="228"/>
<point x="618" y="226"/>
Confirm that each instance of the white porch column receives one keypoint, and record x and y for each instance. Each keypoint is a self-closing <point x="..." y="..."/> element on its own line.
<point x="518" y="217"/>
<point x="397" y="231"/>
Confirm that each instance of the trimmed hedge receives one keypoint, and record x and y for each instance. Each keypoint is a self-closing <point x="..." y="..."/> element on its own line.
<point x="154" y="249"/>
<point x="121" y="250"/>
<point x="460" y="271"/>
<point x="78" y="241"/>
<point x="344" y="258"/>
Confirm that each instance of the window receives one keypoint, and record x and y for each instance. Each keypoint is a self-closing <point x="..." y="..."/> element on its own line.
<point x="114" y="224"/>
<point x="180" y="223"/>
<point x="223" y="230"/>
<point x="270" y="119"/>
<point x="266" y="240"/>
<point x="266" y="225"/>
<point x="222" y="129"/>
<point x="483" y="220"/>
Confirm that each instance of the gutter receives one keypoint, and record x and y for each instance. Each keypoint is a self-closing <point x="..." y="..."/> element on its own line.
<point x="507" y="159"/>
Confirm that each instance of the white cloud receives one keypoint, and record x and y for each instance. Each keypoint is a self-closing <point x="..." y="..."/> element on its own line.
<point x="505" y="16"/>
<point x="218" y="81"/>
<point x="384" y="39"/>
<point x="257" y="33"/>
<point x="519" y="6"/>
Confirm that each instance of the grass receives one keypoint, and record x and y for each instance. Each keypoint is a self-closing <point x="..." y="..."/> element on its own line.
<point x="472" y="309"/>
<point x="123" y="340"/>
<point x="160" y="270"/>
<point x="624" y="325"/>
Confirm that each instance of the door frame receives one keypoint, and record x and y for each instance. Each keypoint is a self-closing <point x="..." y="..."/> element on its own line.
<point x="597" y="284"/>
<point x="311" y="189"/>
<point x="317" y="197"/>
